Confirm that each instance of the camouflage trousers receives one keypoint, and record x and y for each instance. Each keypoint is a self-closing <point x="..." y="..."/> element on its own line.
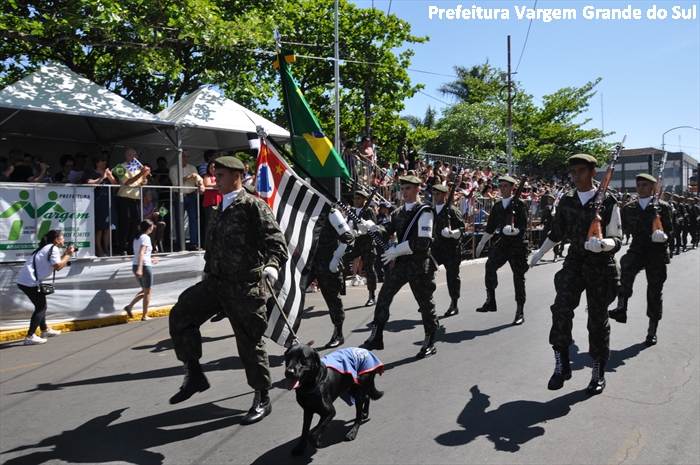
<point x="601" y="283"/>
<point x="422" y="285"/>
<point x="369" y="256"/>
<point x="518" y="264"/>
<point x="247" y="316"/>
<point x="654" y="265"/>
<point x="331" y="284"/>
<point x="451" y="262"/>
<point x="681" y="235"/>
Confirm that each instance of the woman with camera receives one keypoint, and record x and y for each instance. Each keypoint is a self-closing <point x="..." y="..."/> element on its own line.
<point x="44" y="261"/>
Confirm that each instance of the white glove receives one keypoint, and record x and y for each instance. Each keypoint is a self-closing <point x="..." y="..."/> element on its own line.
<point x="546" y="247"/>
<point x="271" y="273"/>
<point x="482" y="243"/>
<point x="337" y="255"/>
<point x="596" y="245"/>
<point x="356" y="232"/>
<point x="510" y="231"/>
<point x="659" y="236"/>
<point x="451" y="233"/>
<point x="366" y="226"/>
<point x="401" y="249"/>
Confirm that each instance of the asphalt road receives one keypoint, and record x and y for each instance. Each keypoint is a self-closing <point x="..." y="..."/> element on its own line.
<point x="101" y="396"/>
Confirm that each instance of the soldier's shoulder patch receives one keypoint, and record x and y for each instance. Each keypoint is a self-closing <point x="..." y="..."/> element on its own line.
<point x="425" y="228"/>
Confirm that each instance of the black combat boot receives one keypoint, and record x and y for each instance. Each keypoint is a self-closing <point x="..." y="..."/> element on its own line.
<point x="490" y="304"/>
<point x="337" y="338"/>
<point x="651" y="333"/>
<point x="218" y="317"/>
<point x="376" y="338"/>
<point x="428" y="347"/>
<point x="452" y="310"/>
<point x="562" y="369"/>
<point x="519" y="315"/>
<point x="261" y="408"/>
<point x="597" y="383"/>
<point x="619" y="313"/>
<point x="195" y="382"/>
<point x="371" y="301"/>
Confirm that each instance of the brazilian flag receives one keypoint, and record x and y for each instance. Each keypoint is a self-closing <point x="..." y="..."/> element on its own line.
<point x="310" y="146"/>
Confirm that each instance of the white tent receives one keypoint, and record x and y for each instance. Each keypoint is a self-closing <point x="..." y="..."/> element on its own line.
<point x="55" y="104"/>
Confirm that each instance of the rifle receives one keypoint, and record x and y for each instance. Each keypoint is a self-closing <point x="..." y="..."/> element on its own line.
<point x="450" y="197"/>
<point x="596" y="228"/>
<point x="369" y="199"/>
<point x="518" y="193"/>
<point x="657" y="225"/>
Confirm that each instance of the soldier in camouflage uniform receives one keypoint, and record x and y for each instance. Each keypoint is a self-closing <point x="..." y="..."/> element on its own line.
<point x="364" y="245"/>
<point x="686" y="222"/>
<point x="448" y="230"/>
<point x="244" y="247"/>
<point x="512" y="247"/>
<point x="674" y="220"/>
<point x="589" y="266"/>
<point x="679" y="226"/>
<point x="413" y="225"/>
<point x="648" y="251"/>
<point x="334" y="239"/>
<point x="694" y="222"/>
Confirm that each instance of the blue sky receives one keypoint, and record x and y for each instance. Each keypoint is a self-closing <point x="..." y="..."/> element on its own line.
<point x="650" y="68"/>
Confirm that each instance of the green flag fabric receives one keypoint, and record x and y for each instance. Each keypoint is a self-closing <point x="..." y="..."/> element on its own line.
<point x="310" y="146"/>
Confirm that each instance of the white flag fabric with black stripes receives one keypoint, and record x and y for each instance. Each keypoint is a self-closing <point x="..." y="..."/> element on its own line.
<point x="297" y="207"/>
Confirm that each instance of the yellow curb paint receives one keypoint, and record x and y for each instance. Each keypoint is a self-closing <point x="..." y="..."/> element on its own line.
<point x="29" y="365"/>
<point x="628" y="451"/>
<point x="17" y="334"/>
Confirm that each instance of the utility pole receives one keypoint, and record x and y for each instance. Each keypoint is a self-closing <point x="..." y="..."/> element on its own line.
<point x="336" y="71"/>
<point x="510" y="116"/>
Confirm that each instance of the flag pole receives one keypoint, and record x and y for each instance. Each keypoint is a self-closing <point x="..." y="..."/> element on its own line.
<point x="277" y="302"/>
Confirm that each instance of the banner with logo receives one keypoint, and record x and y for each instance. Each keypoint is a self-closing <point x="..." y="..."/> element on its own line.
<point x="27" y="213"/>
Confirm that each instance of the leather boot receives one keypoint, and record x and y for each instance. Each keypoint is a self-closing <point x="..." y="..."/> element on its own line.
<point x="619" y="313"/>
<point x="562" y="369"/>
<point x="490" y="304"/>
<point x="519" y="315"/>
<point x="651" y="333"/>
<point x="218" y="317"/>
<point x="376" y="338"/>
<point x="195" y="382"/>
<point x="428" y="347"/>
<point x="261" y="408"/>
<point x="371" y="301"/>
<point x="597" y="383"/>
<point x="452" y="310"/>
<point x="337" y="338"/>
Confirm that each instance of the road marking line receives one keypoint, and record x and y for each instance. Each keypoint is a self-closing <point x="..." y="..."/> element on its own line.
<point x="20" y="367"/>
<point x="628" y="451"/>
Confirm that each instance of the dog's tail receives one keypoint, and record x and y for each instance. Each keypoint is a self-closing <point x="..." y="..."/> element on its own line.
<point x="375" y="394"/>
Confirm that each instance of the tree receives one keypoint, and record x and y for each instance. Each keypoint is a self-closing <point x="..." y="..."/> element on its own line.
<point x="477" y="84"/>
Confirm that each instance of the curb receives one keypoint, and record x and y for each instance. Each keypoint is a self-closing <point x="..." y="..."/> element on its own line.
<point x="17" y="334"/>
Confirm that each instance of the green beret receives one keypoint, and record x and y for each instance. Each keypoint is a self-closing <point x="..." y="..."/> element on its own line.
<point x="583" y="158"/>
<point x="507" y="179"/>
<point x="646" y="177"/>
<point x="231" y="163"/>
<point x="362" y="193"/>
<point x="667" y="193"/>
<point x="250" y="188"/>
<point x="440" y="188"/>
<point x="681" y="197"/>
<point x="550" y="196"/>
<point x="676" y="196"/>
<point x="410" y="180"/>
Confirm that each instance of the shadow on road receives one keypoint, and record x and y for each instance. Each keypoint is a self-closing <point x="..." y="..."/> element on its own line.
<point x="468" y="335"/>
<point x="167" y="344"/>
<point x="227" y="363"/>
<point x="581" y="360"/>
<point x="99" y="440"/>
<point x="510" y="425"/>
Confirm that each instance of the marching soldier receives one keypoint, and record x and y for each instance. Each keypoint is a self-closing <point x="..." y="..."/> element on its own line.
<point x="364" y="245"/>
<point x="694" y="222"/>
<point x="648" y="250"/>
<point x="589" y="266"/>
<point x="680" y="223"/>
<point x="335" y="237"/>
<point x="244" y="247"/>
<point x="674" y="220"/>
<point x="413" y="225"/>
<point x="683" y="203"/>
<point x="512" y="248"/>
<point x="448" y="230"/>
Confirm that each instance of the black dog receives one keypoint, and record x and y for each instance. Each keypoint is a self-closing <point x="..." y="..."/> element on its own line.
<point x="318" y="385"/>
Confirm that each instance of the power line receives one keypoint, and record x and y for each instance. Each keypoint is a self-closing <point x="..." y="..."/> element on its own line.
<point x="524" y="44"/>
<point x="434" y="98"/>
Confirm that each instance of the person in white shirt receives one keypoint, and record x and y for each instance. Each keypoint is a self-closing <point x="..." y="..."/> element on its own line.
<point x="44" y="261"/>
<point x="192" y="184"/>
<point x="142" y="268"/>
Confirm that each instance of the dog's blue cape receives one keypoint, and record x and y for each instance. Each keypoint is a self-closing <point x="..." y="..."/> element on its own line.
<point x="355" y="362"/>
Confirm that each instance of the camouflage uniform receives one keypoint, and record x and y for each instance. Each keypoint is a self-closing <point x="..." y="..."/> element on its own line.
<point x="694" y="221"/>
<point x="447" y="251"/>
<point x="643" y="253"/>
<point x="511" y="249"/>
<point x="330" y="283"/>
<point x="364" y="247"/>
<point x="417" y="269"/>
<point x="240" y="242"/>
<point x="679" y="227"/>
<point x="674" y="221"/>
<point x="595" y="273"/>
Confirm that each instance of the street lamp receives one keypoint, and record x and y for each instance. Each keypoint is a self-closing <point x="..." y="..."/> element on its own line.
<point x="663" y="147"/>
